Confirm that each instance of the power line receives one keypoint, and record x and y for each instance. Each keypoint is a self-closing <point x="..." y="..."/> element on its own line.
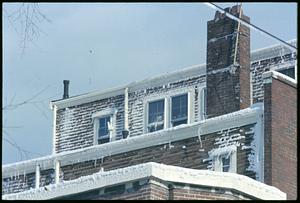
<point x="250" y="25"/>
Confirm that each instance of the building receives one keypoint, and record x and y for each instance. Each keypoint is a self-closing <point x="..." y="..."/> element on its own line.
<point x="221" y="130"/>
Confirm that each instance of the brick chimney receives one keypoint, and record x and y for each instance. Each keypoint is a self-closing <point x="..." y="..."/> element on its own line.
<point x="228" y="84"/>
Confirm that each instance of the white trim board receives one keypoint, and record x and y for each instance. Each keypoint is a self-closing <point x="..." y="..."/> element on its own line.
<point x="163" y="172"/>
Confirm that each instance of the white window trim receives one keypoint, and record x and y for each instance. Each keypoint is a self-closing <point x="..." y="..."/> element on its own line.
<point x="113" y="119"/>
<point x="166" y="96"/>
<point x="217" y="159"/>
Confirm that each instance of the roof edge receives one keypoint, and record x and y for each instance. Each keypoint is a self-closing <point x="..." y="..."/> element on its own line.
<point x="163" y="172"/>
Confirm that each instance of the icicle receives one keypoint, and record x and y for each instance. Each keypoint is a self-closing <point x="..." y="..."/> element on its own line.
<point x="199" y="137"/>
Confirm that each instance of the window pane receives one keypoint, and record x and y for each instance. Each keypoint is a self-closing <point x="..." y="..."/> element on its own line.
<point x="103" y="127"/>
<point x="156" y="115"/>
<point x="156" y="111"/>
<point x="179" y="110"/>
<point x="226" y="164"/>
<point x="289" y="72"/>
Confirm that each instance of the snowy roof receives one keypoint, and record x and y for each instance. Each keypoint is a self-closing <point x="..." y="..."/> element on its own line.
<point x="184" y="73"/>
<point x="162" y="79"/>
<point x="272" y="51"/>
<point x="163" y="172"/>
<point x="239" y="118"/>
<point x="286" y="79"/>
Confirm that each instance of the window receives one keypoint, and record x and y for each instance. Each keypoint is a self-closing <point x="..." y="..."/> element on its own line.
<point x="224" y="159"/>
<point x="174" y="108"/>
<point x="103" y="130"/>
<point x="179" y="110"/>
<point x="156" y="115"/>
<point x="104" y="126"/>
<point x="225" y="164"/>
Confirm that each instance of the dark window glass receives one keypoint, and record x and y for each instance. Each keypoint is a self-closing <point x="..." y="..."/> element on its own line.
<point x="225" y="164"/>
<point x="156" y="115"/>
<point x="179" y="110"/>
<point x="103" y="126"/>
<point x="289" y="72"/>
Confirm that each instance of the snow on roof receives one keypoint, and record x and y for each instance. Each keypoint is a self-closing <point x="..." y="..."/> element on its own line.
<point x="191" y="71"/>
<point x="279" y="76"/>
<point x="239" y="118"/>
<point x="184" y="73"/>
<point x="272" y="51"/>
<point x="163" y="172"/>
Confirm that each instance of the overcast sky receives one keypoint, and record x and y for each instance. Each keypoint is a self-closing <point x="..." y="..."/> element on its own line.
<point x="103" y="45"/>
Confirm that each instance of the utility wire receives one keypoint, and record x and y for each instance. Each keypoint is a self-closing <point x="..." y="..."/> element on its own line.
<point x="237" y="36"/>
<point x="250" y="25"/>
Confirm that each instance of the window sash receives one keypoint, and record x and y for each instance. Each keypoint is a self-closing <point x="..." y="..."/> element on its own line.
<point x="156" y="111"/>
<point x="103" y="130"/>
<point x="179" y="110"/>
<point x="225" y="164"/>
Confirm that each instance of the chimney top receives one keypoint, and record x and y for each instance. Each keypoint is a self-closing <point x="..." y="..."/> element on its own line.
<point x="66" y="89"/>
<point x="235" y="10"/>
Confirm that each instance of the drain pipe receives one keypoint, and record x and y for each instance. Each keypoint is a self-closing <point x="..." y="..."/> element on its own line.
<point x="125" y="132"/>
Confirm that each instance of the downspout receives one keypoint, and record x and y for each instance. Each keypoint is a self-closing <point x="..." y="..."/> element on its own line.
<point x="57" y="171"/>
<point x="37" y="176"/>
<point x="125" y="132"/>
<point x="54" y="108"/>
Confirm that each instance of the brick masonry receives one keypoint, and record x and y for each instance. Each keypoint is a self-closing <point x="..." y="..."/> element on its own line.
<point x="192" y="156"/>
<point x="155" y="189"/>
<point x="280" y="104"/>
<point x="227" y="90"/>
<point x="75" y="128"/>
<point x="171" y="154"/>
<point x="263" y="65"/>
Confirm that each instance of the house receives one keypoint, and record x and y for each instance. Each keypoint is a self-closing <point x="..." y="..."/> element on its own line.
<point x="222" y="130"/>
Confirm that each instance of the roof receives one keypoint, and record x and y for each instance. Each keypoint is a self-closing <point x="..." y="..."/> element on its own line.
<point x="163" y="172"/>
<point x="187" y="72"/>
<point x="279" y="76"/>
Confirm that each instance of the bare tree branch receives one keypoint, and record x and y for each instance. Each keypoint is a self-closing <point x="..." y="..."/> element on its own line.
<point x="21" y="150"/>
<point x="27" y="18"/>
<point x="12" y="106"/>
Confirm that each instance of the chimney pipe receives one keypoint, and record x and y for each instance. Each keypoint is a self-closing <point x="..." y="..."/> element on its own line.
<point x="66" y="89"/>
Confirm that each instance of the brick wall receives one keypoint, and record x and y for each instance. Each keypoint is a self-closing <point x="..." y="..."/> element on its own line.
<point x="258" y="67"/>
<point x="205" y="193"/>
<point x="155" y="189"/>
<point x="74" y="126"/>
<point x="18" y="183"/>
<point x="228" y="87"/>
<point x="280" y="104"/>
<point x="171" y="154"/>
<point x="185" y="153"/>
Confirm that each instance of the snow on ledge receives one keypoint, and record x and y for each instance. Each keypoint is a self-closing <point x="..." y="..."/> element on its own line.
<point x="279" y="76"/>
<point x="239" y="118"/>
<point x="163" y="172"/>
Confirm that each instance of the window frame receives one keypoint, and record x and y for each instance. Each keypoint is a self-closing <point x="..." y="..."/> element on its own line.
<point x="167" y="109"/>
<point x="218" y="164"/>
<point x="147" y="113"/>
<point x="96" y="119"/>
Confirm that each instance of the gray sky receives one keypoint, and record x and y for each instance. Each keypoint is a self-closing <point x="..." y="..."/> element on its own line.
<point x="103" y="45"/>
